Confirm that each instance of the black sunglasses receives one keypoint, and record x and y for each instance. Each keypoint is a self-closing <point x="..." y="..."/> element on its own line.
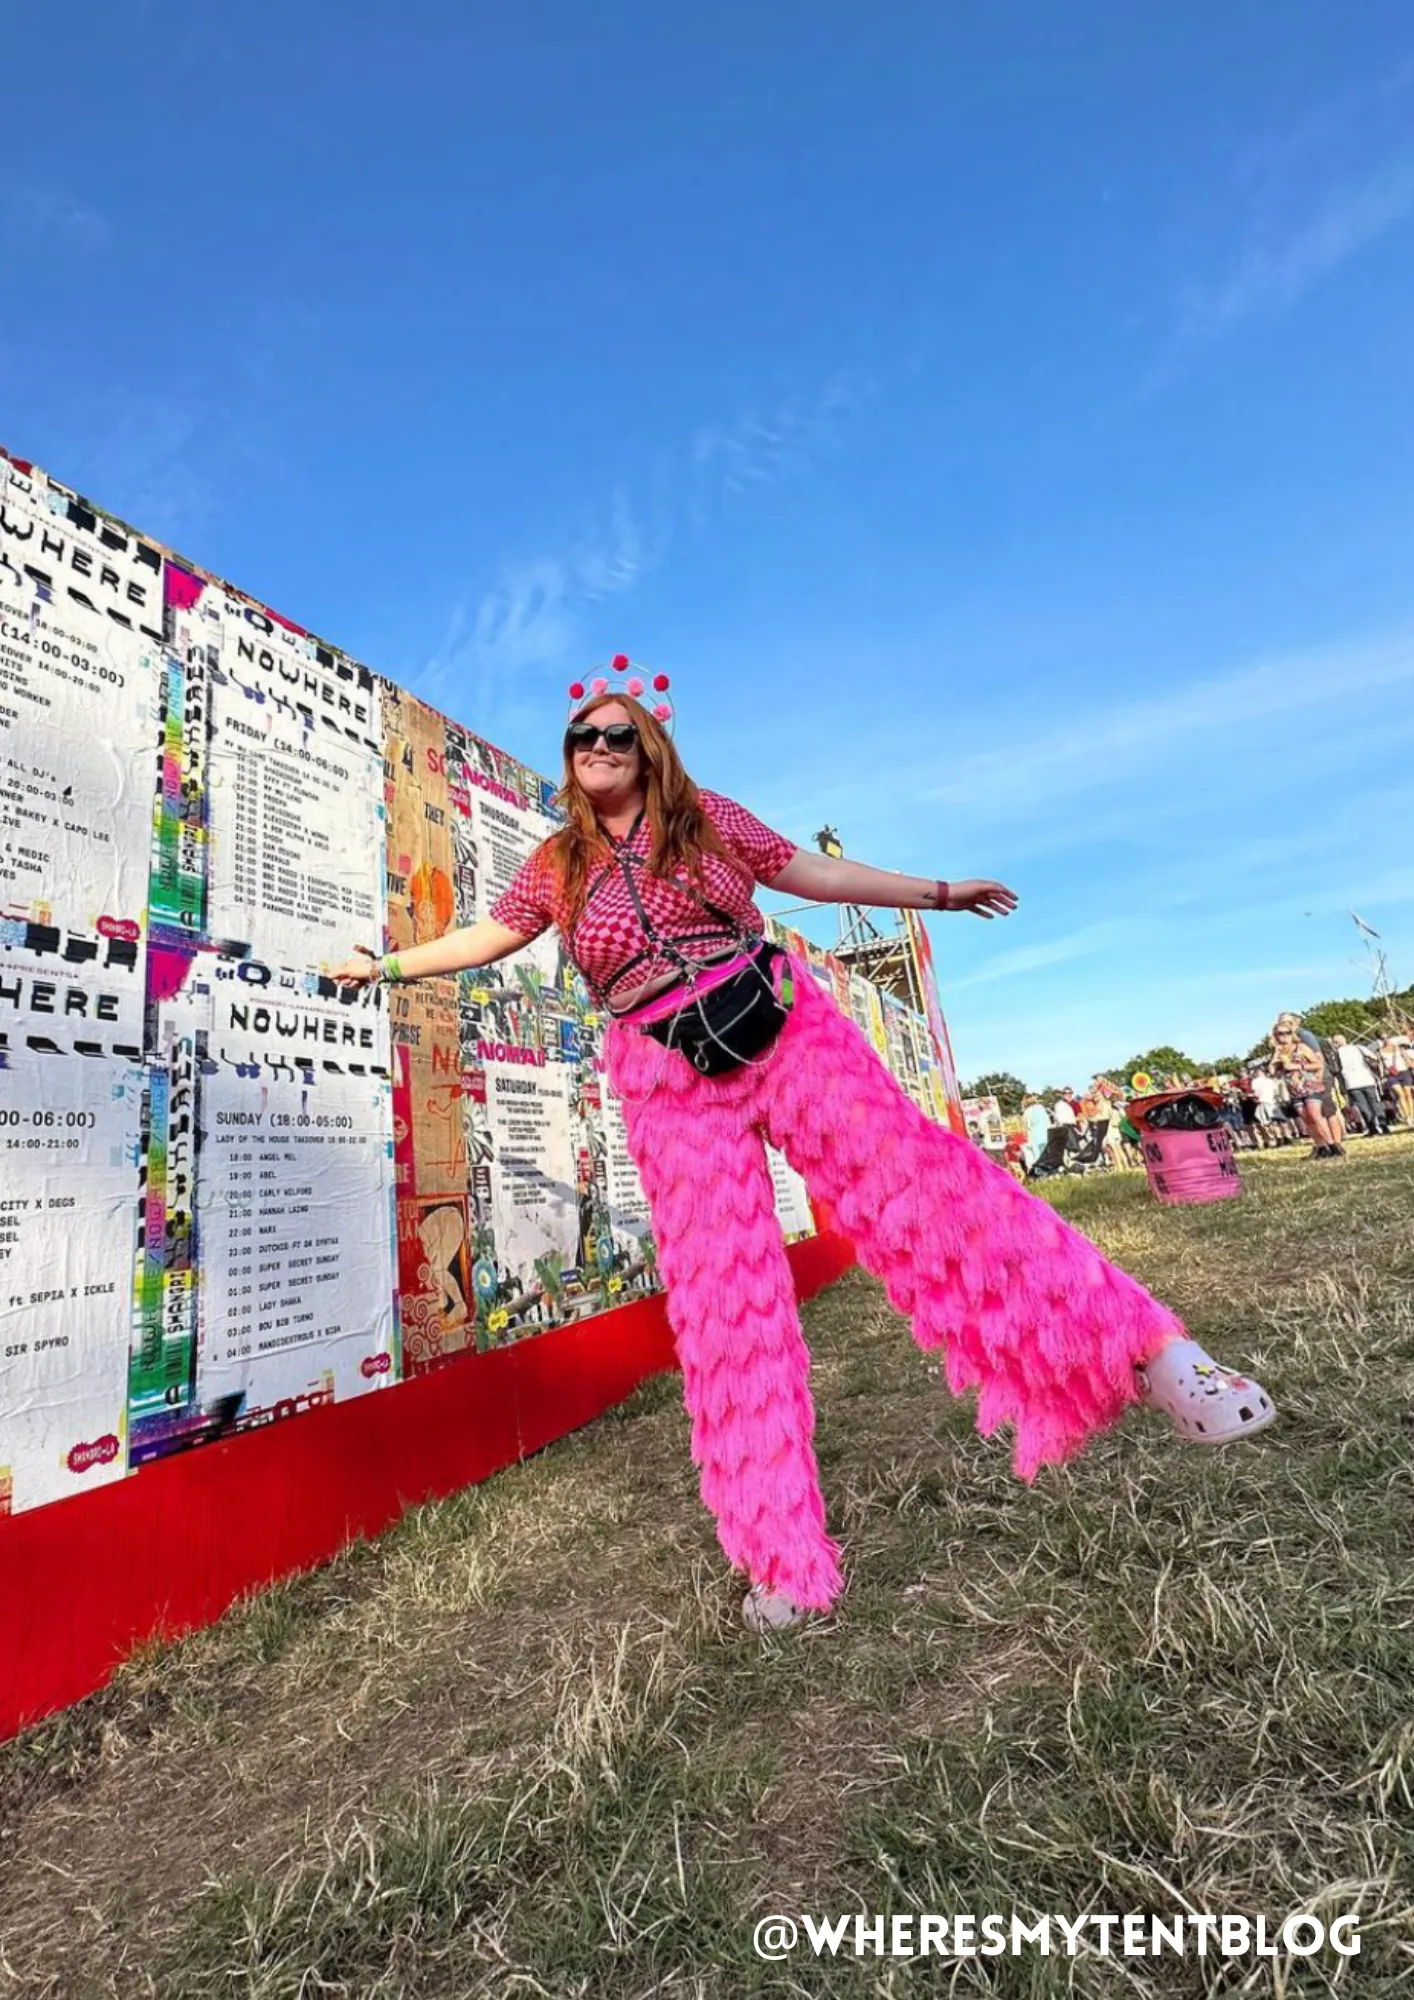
<point x="616" y="736"/>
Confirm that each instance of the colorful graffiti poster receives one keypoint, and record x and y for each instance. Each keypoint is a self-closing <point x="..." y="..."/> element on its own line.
<point x="435" y="1223"/>
<point x="436" y="1229"/>
<point x="984" y="1122"/>
<point x="69" y="1137"/>
<point x="422" y="864"/>
<point x="177" y="893"/>
<point x="937" y="1025"/>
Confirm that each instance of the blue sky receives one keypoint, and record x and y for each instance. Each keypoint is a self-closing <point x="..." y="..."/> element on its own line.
<point x="998" y="421"/>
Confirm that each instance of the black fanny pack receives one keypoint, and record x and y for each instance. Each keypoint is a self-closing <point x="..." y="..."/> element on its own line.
<point x="734" y="1021"/>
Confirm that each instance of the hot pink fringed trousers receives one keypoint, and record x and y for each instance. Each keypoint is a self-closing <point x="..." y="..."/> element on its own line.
<point x="1026" y="1310"/>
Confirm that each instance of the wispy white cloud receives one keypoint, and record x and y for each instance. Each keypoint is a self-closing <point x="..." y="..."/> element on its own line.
<point x="38" y="213"/>
<point x="1272" y="274"/>
<point x="1077" y="778"/>
<point x="1272" y="160"/>
<point x="1083" y="754"/>
<point x="1307" y="199"/>
<point x="1089" y="939"/>
<point x="758" y="449"/>
<point x="532" y="617"/>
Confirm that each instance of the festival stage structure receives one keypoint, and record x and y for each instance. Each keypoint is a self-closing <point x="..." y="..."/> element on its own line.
<point x="889" y="949"/>
<point x="278" y="1260"/>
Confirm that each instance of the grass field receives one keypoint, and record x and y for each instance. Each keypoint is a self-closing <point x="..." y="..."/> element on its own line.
<point x="522" y="1746"/>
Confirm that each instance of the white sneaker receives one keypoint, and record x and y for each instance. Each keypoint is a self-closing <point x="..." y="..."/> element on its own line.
<point x="764" y="1610"/>
<point x="1205" y="1402"/>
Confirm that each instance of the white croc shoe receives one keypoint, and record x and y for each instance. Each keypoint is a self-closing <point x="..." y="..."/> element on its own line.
<point x="764" y="1610"/>
<point x="1205" y="1402"/>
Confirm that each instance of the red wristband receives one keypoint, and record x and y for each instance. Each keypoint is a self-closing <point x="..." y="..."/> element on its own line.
<point x="941" y="889"/>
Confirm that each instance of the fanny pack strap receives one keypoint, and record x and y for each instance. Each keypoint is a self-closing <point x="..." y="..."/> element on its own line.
<point x="624" y="863"/>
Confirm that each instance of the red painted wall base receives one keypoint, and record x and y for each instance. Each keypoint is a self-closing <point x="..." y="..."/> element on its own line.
<point x="168" y="1550"/>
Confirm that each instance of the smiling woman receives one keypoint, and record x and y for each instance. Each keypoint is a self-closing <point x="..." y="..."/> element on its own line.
<point x="720" y="1043"/>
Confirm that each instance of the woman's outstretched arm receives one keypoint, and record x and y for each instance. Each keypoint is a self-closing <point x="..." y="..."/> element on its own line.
<point x="825" y="879"/>
<point x="475" y="944"/>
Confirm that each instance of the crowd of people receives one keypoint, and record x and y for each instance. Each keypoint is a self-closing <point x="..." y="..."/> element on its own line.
<point x="1076" y="1132"/>
<point x="1302" y="1088"/>
<point x="1323" y="1090"/>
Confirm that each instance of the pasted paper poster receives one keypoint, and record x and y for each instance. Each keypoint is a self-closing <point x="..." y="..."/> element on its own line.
<point x="69" y="1133"/>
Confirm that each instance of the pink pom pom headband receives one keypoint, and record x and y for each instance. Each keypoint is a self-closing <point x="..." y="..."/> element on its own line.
<point x="622" y="677"/>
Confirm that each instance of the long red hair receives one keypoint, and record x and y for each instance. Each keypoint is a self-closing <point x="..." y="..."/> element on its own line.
<point x="682" y="833"/>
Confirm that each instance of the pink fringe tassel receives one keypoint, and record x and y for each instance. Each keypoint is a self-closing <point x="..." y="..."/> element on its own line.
<point x="1025" y="1309"/>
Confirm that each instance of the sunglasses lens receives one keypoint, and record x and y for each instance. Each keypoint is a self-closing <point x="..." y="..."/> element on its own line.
<point x="617" y="736"/>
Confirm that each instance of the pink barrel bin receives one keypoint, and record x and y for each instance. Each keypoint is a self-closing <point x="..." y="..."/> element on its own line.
<point x="1185" y="1167"/>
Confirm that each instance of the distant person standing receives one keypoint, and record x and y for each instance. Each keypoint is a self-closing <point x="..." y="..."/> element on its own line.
<point x="1333" y="1103"/>
<point x="1063" y="1111"/>
<point x="1300" y="1060"/>
<point x="1112" y="1109"/>
<point x="1397" y="1055"/>
<point x="1231" y="1113"/>
<point x="1270" y="1113"/>
<point x="1361" y="1085"/>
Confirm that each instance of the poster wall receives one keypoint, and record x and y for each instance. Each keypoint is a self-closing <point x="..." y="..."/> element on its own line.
<point x="232" y="1192"/>
<point x="984" y="1123"/>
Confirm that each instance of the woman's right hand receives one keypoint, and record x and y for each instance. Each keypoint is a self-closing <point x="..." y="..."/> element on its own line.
<point x="360" y="968"/>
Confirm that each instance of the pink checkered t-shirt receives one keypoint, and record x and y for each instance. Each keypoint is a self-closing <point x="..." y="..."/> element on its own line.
<point x="609" y="940"/>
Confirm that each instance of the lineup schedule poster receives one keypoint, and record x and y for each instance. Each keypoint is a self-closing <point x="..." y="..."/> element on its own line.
<point x="270" y="1146"/>
<point x="78" y="685"/>
<point x="296" y="838"/>
<point x="294" y="1199"/>
<point x="296" y="816"/>
<point x="534" y="1205"/>
<point x="69" y="1137"/>
<point x="506" y="832"/>
<point x="628" y="1204"/>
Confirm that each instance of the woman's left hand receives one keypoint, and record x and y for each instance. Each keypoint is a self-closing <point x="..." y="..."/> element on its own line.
<point x="984" y="899"/>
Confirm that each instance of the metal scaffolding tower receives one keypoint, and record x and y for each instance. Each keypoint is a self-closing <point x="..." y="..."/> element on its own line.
<point x="1377" y="963"/>
<point x="881" y="955"/>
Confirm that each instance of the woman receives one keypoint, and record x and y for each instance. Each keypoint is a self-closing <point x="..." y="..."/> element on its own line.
<point x="1361" y="1085"/>
<point x="1110" y="1112"/>
<point x="650" y="883"/>
<point x="1297" y="1055"/>
<point x="1397" y="1061"/>
<point x="1037" y="1123"/>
